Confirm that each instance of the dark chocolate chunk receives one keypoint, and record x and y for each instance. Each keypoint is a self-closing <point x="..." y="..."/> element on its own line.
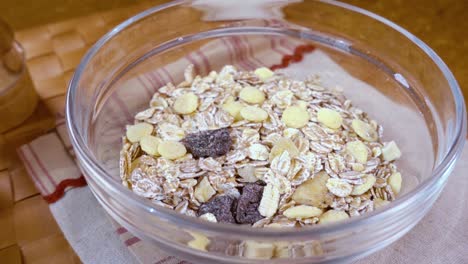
<point x="223" y="207"/>
<point x="210" y="143"/>
<point x="247" y="205"/>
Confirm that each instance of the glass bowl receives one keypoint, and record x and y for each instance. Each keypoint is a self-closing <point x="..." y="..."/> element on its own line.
<point x="385" y="70"/>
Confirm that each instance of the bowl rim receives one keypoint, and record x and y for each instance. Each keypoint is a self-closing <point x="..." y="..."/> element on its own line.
<point x="438" y="174"/>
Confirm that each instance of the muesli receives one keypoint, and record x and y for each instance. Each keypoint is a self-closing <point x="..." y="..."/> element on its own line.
<point x="258" y="148"/>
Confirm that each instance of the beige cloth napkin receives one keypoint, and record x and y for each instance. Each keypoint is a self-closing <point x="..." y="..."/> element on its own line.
<point x="440" y="238"/>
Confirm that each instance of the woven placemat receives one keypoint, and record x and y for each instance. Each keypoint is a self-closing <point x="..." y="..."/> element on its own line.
<point x="29" y="231"/>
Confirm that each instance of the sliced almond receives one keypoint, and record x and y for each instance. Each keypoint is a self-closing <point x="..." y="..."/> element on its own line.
<point x="186" y="103"/>
<point x="149" y="144"/>
<point x="391" y="151"/>
<point x="358" y="150"/>
<point x="204" y="191"/>
<point x="254" y="114"/>
<point x="333" y="216"/>
<point x="264" y="73"/>
<point x="364" y="130"/>
<point x="295" y="117"/>
<point x="329" y="118"/>
<point x="302" y="211"/>
<point x="395" y="182"/>
<point x="209" y="217"/>
<point x="339" y="187"/>
<point x="233" y="108"/>
<point x="369" y="181"/>
<point x="281" y="145"/>
<point x="199" y="241"/>
<point x="258" y="250"/>
<point x="136" y="132"/>
<point x="252" y="95"/>
<point x="313" y="192"/>
<point x="171" y="149"/>
<point x="270" y="200"/>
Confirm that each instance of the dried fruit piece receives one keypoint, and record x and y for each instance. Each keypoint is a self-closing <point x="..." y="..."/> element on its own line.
<point x="186" y="103"/>
<point x="391" y="151"/>
<point x="281" y="145"/>
<point x="313" y="191"/>
<point x="222" y="207"/>
<point x="204" y="191"/>
<point x="302" y="211"/>
<point x="329" y="118"/>
<point x="258" y="152"/>
<point x="264" y="73"/>
<point x="199" y="241"/>
<point x="257" y="250"/>
<point x="332" y="216"/>
<point x="210" y="143"/>
<point x="171" y="149"/>
<point x="248" y="203"/>
<point x="358" y="150"/>
<point x="149" y="144"/>
<point x="295" y="117"/>
<point x="378" y="203"/>
<point x="209" y="217"/>
<point x="395" y="182"/>
<point x="364" y="130"/>
<point x="136" y="132"/>
<point x="369" y="181"/>
<point x="252" y="95"/>
<point x="339" y="187"/>
<point x="254" y="114"/>
<point x="270" y="200"/>
<point x="233" y="108"/>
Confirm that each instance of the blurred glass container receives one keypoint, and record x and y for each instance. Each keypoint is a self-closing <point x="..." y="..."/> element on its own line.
<point x="18" y="98"/>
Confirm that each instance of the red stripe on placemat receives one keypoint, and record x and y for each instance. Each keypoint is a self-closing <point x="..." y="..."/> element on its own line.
<point x="195" y="63"/>
<point x="164" y="260"/>
<point x="239" y="46"/>
<point x="39" y="163"/>
<point x="122" y="106"/>
<point x="132" y="241"/>
<point x="252" y="54"/>
<point x="121" y="230"/>
<point x="205" y="61"/>
<point x="143" y="83"/>
<point x="297" y="56"/>
<point x="160" y="79"/>
<point x="31" y="171"/>
<point x="228" y="47"/>
<point x="60" y="122"/>
<point x="168" y="75"/>
<point x="60" y="190"/>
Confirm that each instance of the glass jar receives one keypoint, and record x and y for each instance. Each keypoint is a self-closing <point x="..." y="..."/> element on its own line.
<point x="384" y="69"/>
<point x="18" y="98"/>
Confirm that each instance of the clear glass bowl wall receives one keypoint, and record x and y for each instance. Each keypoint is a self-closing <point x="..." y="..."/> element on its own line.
<point x="394" y="76"/>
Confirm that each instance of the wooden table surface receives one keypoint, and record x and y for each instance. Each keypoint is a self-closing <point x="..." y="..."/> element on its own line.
<point x="29" y="233"/>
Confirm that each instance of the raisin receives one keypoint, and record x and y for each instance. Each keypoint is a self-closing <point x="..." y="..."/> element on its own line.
<point x="210" y="143"/>
<point x="223" y="207"/>
<point x="247" y="205"/>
